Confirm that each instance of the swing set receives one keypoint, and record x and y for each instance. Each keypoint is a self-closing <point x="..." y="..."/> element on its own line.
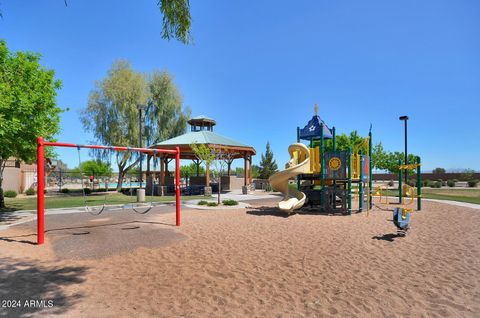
<point x="100" y="211"/>
<point x="41" y="144"/>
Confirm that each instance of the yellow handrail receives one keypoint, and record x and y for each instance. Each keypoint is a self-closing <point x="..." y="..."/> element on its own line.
<point x="409" y="193"/>
<point x="379" y="192"/>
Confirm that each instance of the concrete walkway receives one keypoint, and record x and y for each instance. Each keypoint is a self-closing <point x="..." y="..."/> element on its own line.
<point x="457" y="203"/>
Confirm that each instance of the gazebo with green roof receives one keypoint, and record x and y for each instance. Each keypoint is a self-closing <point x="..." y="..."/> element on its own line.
<point x="201" y="132"/>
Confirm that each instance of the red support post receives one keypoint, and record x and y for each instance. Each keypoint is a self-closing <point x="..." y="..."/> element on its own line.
<point x="177" y="186"/>
<point x="40" y="191"/>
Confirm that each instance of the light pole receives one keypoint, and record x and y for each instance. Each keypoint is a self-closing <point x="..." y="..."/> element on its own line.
<point x="405" y="119"/>
<point x="141" y="108"/>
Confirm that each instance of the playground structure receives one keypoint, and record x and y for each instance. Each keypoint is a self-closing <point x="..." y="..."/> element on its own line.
<point x="331" y="181"/>
<point x="41" y="144"/>
<point x="325" y="180"/>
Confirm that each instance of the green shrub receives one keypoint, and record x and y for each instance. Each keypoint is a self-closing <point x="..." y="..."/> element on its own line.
<point x="451" y="183"/>
<point x="472" y="183"/>
<point x="229" y="202"/>
<point x="212" y="204"/>
<point x="268" y="188"/>
<point x="10" y="194"/>
<point x="390" y="183"/>
<point x="426" y="183"/>
<point x="203" y="202"/>
<point x="30" y="191"/>
<point x="65" y="190"/>
<point x="412" y="182"/>
<point x="87" y="190"/>
<point x="437" y="184"/>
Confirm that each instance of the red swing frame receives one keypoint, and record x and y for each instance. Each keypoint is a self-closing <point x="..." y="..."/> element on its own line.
<point x="41" y="144"/>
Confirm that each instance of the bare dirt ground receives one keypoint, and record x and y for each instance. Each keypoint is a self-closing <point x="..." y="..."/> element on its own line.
<point x="244" y="263"/>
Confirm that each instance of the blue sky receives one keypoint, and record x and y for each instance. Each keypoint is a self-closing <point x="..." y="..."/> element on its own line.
<point x="258" y="67"/>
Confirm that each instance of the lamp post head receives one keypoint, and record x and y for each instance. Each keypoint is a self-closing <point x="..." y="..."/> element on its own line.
<point x="403" y="118"/>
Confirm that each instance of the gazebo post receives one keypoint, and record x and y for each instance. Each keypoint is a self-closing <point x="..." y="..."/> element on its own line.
<point x="197" y="162"/>
<point x="207" y="175"/>
<point x="148" y="164"/>
<point x="148" y="176"/>
<point x="245" y="170"/>
<point x="162" y="171"/>
<point x="250" y="168"/>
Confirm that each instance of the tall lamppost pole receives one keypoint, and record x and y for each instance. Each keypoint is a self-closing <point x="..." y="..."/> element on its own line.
<point x="141" y="108"/>
<point x="405" y="119"/>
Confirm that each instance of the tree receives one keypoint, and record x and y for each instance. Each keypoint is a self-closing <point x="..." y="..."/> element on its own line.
<point x="190" y="170"/>
<point x="176" y="19"/>
<point x="113" y="117"/>
<point x="164" y="117"/>
<point x="380" y="157"/>
<point x="222" y="156"/>
<point x="343" y="141"/>
<point x="239" y="171"/>
<point x="439" y="171"/>
<point x="268" y="166"/>
<point x="255" y="171"/>
<point x="27" y="106"/>
<point x="112" y="114"/>
<point x="94" y="168"/>
<point x="218" y="157"/>
<point x="385" y="160"/>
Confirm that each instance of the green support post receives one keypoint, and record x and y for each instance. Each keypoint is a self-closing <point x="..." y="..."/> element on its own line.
<point x="399" y="182"/>
<point x="370" y="179"/>
<point x="334" y="149"/>
<point x="360" y="186"/>
<point x="322" y="167"/>
<point x="298" y="140"/>
<point x="349" y="163"/>
<point x="419" y="185"/>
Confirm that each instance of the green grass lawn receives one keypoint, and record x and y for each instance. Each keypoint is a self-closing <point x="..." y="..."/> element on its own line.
<point x="455" y="194"/>
<point x="76" y="200"/>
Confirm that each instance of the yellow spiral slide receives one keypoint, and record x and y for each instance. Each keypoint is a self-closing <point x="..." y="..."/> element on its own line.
<point x="298" y="164"/>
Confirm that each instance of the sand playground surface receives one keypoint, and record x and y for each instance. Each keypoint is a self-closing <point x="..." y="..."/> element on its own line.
<point x="251" y="262"/>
